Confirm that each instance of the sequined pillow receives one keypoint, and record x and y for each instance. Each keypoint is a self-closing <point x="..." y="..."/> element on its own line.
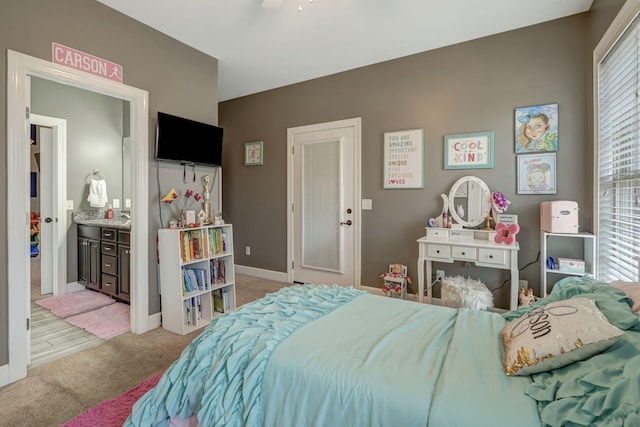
<point x="555" y="335"/>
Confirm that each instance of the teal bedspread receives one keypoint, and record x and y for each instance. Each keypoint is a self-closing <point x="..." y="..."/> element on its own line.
<point x="603" y="390"/>
<point x="315" y="355"/>
<point x="218" y="376"/>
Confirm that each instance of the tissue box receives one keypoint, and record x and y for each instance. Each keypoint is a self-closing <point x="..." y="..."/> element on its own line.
<point x="571" y="265"/>
<point x="559" y="216"/>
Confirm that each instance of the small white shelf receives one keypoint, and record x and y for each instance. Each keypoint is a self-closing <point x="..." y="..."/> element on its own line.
<point x="188" y="305"/>
<point x="565" y="245"/>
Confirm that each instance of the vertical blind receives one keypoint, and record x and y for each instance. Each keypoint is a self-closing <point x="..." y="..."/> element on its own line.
<point x="619" y="159"/>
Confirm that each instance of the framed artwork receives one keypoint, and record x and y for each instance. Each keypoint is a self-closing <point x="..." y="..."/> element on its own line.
<point x="253" y="153"/>
<point x="536" y="128"/>
<point x="537" y="174"/>
<point x="404" y="159"/>
<point x="468" y="151"/>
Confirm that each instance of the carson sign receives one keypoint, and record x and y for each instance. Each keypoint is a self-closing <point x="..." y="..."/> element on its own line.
<point x="73" y="58"/>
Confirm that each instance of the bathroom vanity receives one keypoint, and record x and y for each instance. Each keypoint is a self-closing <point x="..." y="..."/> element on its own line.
<point x="104" y="256"/>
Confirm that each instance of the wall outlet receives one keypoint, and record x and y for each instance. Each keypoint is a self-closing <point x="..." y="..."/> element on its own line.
<point x="439" y="275"/>
<point x="367" y="204"/>
<point x="247" y="250"/>
<point x="116" y="203"/>
<point x="127" y="203"/>
<point x="523" y="284"/>
<point x="69" y="205"/>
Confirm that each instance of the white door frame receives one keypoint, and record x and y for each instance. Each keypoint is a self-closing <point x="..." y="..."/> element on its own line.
<point x="19" y="67"/>
<point x="58" y="257"/>
<point x="356" y="123"/>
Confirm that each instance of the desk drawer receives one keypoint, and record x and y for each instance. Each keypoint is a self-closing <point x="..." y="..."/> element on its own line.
<point x="439" y="251"/>
<point x="465" y="253"/>
<point x="497" y="257"/>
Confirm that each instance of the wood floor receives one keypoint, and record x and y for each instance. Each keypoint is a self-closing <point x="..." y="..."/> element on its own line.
<point x="51" y="336"/>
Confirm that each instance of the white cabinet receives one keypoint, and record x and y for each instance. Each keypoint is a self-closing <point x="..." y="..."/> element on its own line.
<point x="572" y="248"/>
<point x="197" y="277"/>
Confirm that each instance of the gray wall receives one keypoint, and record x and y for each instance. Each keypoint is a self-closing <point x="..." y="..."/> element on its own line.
<point x="470" y="87"/>
<point x="180" y="80"/>
<point x="94" y="141"/>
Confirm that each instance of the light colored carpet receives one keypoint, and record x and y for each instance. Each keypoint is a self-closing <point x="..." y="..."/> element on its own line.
<point x="58" y="391"/>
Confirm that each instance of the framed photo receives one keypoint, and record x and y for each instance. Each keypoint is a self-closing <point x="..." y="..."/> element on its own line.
<point x="507" y="219"/>
<point x="253" y="153"/>
<point x="469" y="151"/>
<point x="537" y="174"/>
<point x="404" y="159"/>
<point x="536" y="128"/>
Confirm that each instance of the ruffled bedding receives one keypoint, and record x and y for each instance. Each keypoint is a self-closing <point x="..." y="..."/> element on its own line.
<point x="603" y="390"/>
<point x="218" y="377"/>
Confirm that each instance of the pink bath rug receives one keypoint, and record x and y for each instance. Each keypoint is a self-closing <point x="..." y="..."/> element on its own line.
<point x="75" y="302"/>
<point x="106" y="322"/>
<point x="113" y="412"/>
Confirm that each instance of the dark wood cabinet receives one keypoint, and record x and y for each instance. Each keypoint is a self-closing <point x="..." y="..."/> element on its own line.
<point x="104" y="260"/>
<point x="89" y="257"/>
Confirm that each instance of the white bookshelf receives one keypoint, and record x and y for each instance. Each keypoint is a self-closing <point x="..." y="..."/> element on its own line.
<point x="188" y="303"/>
<point x="580" y="246"/>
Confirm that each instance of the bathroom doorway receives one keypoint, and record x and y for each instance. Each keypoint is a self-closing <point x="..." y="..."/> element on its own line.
<point x="19" y="68"/>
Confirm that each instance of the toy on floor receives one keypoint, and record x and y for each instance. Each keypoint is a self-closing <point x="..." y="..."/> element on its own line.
<point x="526" y="297"/>
<point x="396" y="279"/>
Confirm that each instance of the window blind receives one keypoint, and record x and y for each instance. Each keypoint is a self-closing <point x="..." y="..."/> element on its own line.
<point x="619" y="159"/>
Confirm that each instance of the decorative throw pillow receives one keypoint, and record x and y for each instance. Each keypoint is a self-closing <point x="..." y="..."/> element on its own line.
<point x="632" y="289"/>
<point x="555" y="335"/>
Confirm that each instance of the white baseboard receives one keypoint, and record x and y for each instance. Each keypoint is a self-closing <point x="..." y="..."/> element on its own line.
<point x="4" y="375"/>
<point x="261" y="273"/>
<point x="154" y="321"/>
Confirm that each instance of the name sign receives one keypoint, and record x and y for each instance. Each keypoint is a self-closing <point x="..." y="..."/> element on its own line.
<point x="91" y="64"/>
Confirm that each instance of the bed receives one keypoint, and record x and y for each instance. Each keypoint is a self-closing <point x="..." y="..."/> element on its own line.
<point x="316" y="355"/>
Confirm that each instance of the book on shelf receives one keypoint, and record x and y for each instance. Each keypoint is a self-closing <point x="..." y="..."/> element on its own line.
<point x="225" y="300"/>
<point x="217" y="267"/>
<point x="218" y="302"/>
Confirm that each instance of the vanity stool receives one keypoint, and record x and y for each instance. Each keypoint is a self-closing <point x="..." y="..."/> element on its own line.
<point x="458" y="292"/>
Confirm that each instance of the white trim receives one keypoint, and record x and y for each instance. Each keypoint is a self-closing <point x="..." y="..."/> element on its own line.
<point x="356" y="123"/>
<point x="616" y="29"/>
<point x="261" y="273"/>
<point x="19" y="67"/>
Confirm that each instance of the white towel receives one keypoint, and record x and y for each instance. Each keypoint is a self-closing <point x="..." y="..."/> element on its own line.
<point x="97" y="193"/>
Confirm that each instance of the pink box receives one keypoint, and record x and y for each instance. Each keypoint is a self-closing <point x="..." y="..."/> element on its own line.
<point x="559" y="216"/>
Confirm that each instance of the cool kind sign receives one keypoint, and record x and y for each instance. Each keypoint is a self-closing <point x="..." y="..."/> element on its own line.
<point x="474" y="150"/>
<point x="403" y="159"/>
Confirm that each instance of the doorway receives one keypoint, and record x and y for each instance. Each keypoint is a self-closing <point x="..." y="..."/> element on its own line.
<point x="19" y="68"/>
<point x="324" y="195"/>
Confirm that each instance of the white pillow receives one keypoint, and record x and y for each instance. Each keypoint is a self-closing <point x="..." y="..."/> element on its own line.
<point x="555" y="335"/>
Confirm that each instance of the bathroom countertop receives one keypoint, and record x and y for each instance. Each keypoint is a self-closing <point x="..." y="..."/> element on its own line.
<point x="121" y="223"/>
<point x="97" y="218"/>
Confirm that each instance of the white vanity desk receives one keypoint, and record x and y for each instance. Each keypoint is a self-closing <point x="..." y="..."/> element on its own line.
<point x="481" y="252"/>
<point x="469" y="204"/>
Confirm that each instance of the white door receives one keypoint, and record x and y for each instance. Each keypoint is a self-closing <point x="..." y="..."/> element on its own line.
<point x="325" y="203"/>
<point x="47" y="217"/>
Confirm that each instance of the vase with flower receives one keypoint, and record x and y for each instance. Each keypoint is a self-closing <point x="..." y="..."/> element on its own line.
<point x="499" y="204"/>
<point x="182" y="204"/>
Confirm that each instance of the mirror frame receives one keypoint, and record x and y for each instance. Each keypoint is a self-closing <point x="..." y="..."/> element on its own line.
<point x="452" y="208"/>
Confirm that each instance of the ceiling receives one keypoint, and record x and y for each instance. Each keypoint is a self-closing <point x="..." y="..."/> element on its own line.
<point x="260" y="49"/>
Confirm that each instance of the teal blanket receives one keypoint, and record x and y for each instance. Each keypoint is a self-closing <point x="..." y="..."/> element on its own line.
<point x="603" y="390"/>
<point x="218" y="377"/>
<point x="315" y="355"/>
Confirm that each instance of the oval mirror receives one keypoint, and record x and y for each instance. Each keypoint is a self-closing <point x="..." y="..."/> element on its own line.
<point x="469" y="201"/>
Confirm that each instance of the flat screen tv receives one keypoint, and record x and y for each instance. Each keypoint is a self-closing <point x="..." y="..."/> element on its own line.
<point x="186" y="141"/>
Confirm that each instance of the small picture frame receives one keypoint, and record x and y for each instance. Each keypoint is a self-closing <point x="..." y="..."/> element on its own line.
<point x="469" y="151"/>
<point x="507" y="219"/>
<point x="253" y="153"/>
<point x="537" y="174"/>
<point x="536" y="128"/>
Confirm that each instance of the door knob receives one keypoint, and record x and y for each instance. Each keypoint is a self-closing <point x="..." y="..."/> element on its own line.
<point x="48" y="220"/>
<point x="347" y="222"/>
